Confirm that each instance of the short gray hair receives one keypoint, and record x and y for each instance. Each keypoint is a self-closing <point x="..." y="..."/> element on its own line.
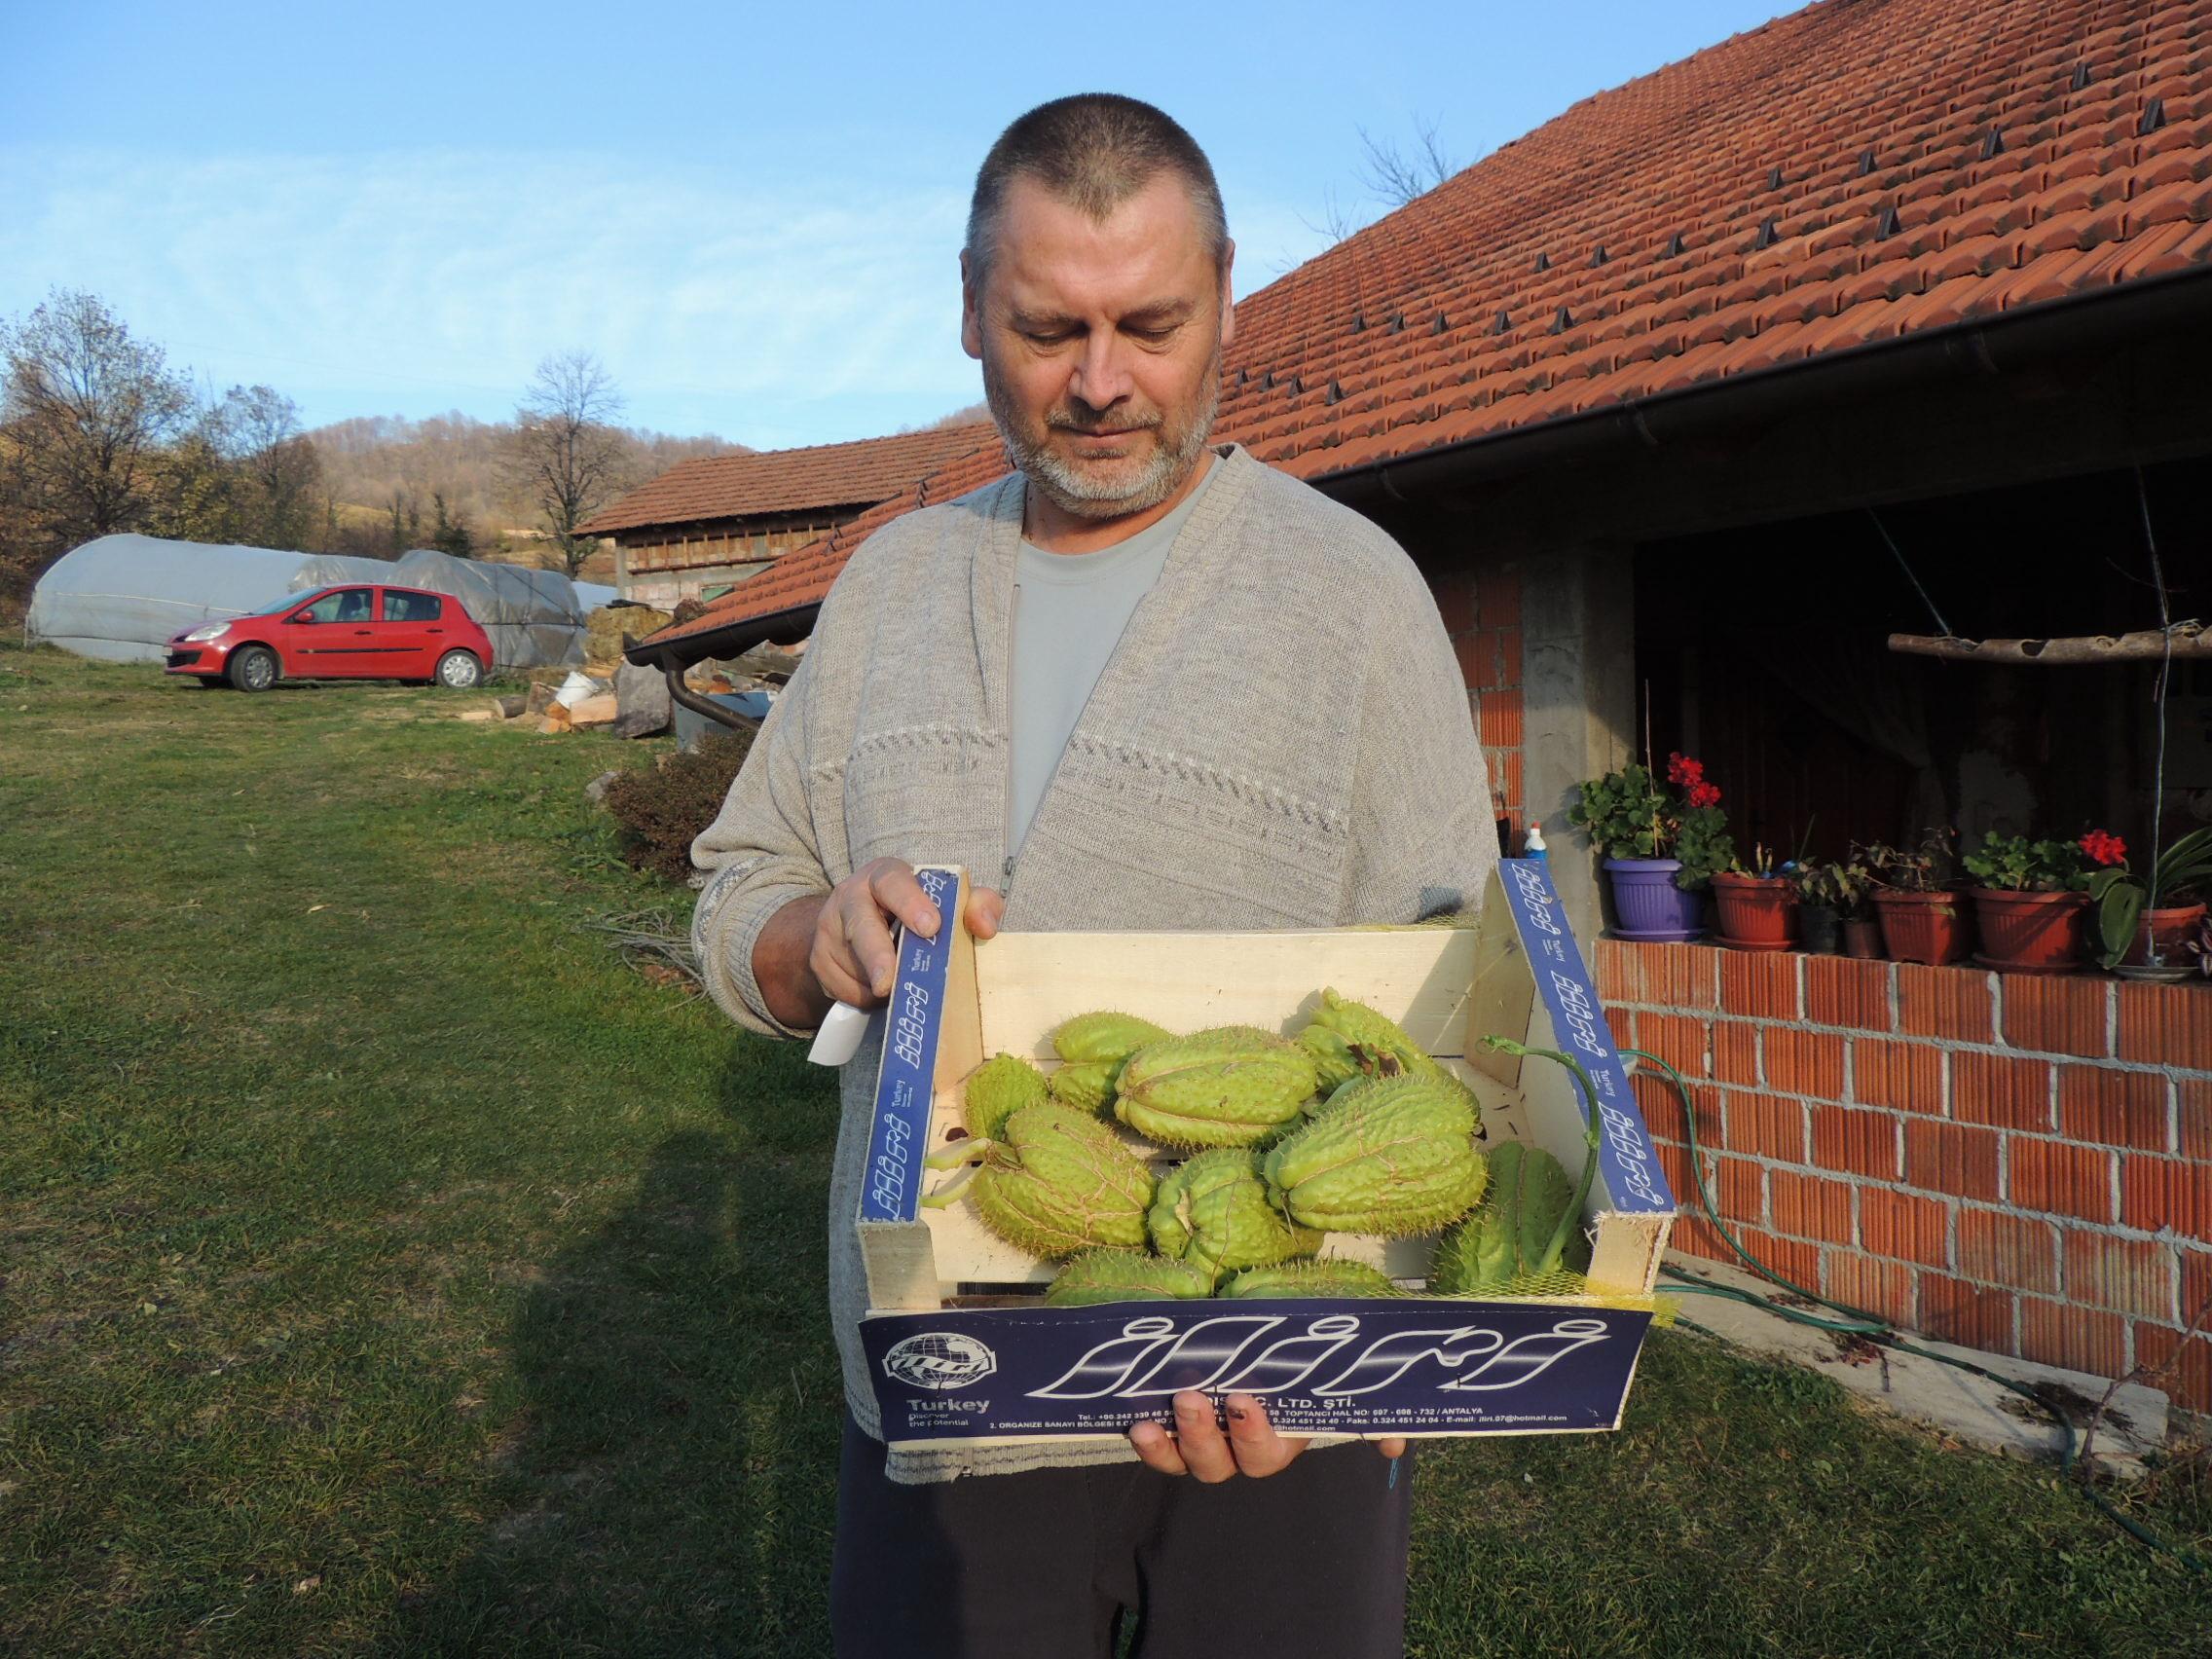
<point x="1094" y="151"/>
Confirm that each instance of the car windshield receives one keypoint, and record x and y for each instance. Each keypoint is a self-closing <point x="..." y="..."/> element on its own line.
<point x="284" y="602"/>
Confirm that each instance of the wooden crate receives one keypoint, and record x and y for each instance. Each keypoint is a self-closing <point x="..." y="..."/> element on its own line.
<point x="1519" y="975"/>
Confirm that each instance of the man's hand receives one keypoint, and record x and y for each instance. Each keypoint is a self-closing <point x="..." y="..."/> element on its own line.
<point x="839" y="947"/>
<point x="1198" y="1447"/>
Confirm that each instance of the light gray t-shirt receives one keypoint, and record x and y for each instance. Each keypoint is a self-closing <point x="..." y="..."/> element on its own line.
<point x="1069" y="613"/>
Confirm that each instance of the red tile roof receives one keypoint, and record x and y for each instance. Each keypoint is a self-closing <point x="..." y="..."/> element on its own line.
<point x="1845" y="175"/>
<point x="789" y="481"/>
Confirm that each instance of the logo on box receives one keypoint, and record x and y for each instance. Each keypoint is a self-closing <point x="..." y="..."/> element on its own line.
<point x="940" y="1359"/>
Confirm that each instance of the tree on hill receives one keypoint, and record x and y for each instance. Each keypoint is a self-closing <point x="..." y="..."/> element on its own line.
<point x="85" y="406"/>
<point x="567" y="454"/>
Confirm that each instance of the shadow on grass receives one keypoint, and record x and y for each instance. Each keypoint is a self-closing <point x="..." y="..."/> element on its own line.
<point x="670" y="1471"/>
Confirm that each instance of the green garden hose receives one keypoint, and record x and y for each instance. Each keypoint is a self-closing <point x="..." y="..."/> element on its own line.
<point x="1859" y="1322"/>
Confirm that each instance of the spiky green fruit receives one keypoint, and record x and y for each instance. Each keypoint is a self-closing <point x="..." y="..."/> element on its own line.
<point x="1212" y="1212"/>
<point x="1057" y="1181"/>
<point x="1509" y="1235"/>
<point x="997" y="1089"/>
<point x="1348" y="1038"/>
<point x="1395" y="1157"/>
<point x="1091" y="1048"/>
<point x="1232" y="1085"/>
<point x="1309" y="1278"/>
<point x="1123" y="1275"/>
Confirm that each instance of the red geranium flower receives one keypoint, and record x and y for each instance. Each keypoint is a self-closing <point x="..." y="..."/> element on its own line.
<point x="1704" y="795"/>
<point x="1684" y="770"/>
<point x="2104" y="847"/>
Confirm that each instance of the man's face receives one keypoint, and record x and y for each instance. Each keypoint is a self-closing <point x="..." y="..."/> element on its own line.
<point x="1100" y="343"/>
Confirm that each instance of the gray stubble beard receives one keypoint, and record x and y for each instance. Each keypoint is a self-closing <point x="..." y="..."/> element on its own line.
<point x="1083" y="498"/>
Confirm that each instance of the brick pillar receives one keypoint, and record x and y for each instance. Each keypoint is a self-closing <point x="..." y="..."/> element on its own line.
<point x="1578" y="699"/>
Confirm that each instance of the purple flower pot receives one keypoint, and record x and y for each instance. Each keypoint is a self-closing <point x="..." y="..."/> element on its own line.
<point x="1649" y="904"/>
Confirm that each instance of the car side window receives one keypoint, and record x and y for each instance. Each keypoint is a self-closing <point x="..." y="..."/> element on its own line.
<point x="411" y="607"/>
<point x="346" y="605"/>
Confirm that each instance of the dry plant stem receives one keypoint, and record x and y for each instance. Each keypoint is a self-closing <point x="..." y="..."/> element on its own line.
<point x="2144" y="1374"/>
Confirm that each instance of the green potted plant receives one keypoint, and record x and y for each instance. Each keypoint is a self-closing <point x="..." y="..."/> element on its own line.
<point x="1757" y="908"/>
<point x="1922" y="917"/>
<point x="2028" y="902"/>
<point x="1834" y="913"/>
<point x="1661" y="841"/>
<point x="2129" y="933"/>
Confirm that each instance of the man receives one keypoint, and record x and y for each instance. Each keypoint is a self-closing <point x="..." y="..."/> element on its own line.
<point x="1149" y="684"/>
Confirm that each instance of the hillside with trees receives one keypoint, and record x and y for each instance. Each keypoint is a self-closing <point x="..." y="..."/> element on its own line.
<point x="100" y="433"/>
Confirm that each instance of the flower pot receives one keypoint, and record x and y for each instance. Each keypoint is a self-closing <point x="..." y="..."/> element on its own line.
<point x="2029" y="932"/>
<point x="1862" y="939"/>
<point x="1921" y="926"/>
<point x="1822" y="930"/>
<point x="2169" y="931"/>
<point x="1757" y="912"/>
<point x="1649" y="904"/>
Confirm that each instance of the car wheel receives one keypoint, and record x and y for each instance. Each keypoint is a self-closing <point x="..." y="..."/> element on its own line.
<point x="458" y="671"/>
<point x="253" y="668"/>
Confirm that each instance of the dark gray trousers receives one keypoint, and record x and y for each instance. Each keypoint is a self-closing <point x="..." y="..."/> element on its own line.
<point x="1053" y="1563"/>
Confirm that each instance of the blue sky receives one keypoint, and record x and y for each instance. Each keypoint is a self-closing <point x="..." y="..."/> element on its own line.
<point x="750" y="213"/>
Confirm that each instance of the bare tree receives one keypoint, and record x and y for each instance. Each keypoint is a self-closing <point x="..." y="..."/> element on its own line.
<point x="280" y="468"/>
<point x="1395" y="176"/>
<point x="84" y="404"/>
<point x="568" y="457"/>
<point x="1391" y="175"/>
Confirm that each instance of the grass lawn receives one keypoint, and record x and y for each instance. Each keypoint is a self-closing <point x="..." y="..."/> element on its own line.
<point x="385" y="1267"/>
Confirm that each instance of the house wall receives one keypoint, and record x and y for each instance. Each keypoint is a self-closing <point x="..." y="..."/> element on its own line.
<point x="2017" y="1163"/>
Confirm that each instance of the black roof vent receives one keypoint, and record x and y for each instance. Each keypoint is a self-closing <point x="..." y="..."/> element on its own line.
<point x="1267" y="380"/>
<point x="1397" y="322"/>
<point x="1992" y="144"/>
<point x="1335" y="393"/>
<point x="1767" y="237"/>
<point x="1298" y="386"/>
<point x="1774" y="179"/>
<point x="1675" y="246"/>
<point x="1439" y="325"/>
<point x="2154" y="118"/>
<point x="1243" y="375"/>
<point x="1564" y="321"/>
<point x="1597" y="256"/>
<point x="1358" y="322"/>
<point x="1888" y="225"/>
<point x="2081" y="79"/>
<point x="1543" y="261"/>
<point x="1503" y="323"/>
<point x="1866" y="163"/>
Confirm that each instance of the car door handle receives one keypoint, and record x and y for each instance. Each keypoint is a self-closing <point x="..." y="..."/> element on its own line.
<point x="362" y="633"/>
<point x="434" y="630"/>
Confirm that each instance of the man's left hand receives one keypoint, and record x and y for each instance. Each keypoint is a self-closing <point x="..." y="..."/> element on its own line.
<point x="1196" y="1445"/>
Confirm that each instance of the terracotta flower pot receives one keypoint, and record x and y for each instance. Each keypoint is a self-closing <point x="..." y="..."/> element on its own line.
<point x="2169" y="931"/>
<point x="1921" y="926"/>
<point x="1649" y="904"/>
<point x="1862" y="939"/>
<point x="1757" y="912"/>
<point x="2029" y="932"/>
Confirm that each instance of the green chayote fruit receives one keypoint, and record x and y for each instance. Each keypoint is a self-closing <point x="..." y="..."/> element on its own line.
<point x="1123" y="1275"/>
<point x="1092" y="1048"/>
<point x="1212" y="1212"/>
<point x="1395" y="1157"/>
<point x="1509" y="1235"/>
<point x="1057" y="1181"/>
<point x="997" y="1089"/>
<point x="1309" y="1278"/>
<point x="1234" y="1085"/>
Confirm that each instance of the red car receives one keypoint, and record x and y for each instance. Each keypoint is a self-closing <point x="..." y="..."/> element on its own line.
<point x="350" y="633"/>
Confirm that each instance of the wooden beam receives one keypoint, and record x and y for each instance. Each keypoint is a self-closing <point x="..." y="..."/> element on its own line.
<point x="2184" y="641"/>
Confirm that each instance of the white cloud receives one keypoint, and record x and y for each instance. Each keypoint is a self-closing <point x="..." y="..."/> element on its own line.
<point x="414" y="279"/>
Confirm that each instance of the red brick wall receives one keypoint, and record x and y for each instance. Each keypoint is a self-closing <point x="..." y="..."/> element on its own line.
<point x="2019" y="1164"/>
<point x="1481" y="606"/>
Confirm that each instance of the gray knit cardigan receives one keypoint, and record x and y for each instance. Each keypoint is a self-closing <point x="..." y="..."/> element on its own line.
<point x="1280" y="740"/>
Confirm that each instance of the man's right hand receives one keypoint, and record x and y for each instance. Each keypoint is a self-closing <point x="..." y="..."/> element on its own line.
<point x="839" y="947"/>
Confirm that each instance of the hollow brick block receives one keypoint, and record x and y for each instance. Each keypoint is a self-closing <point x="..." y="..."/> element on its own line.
<point x="1905" y="1226"/>
<point x="1809" y="1206"/>
<point x="2013" y="1250"/>
<point x="1971" y="1315"/>
<point x="1906" y="1077"/>
<point x="1944" y="1002"/>
<point x="2128" y="1275"/>
<point x="1953" y="1158"/>
<point x="1761" y="984"/>
<point x="2055" y="1014"/>
<point x="2000" y="1090"/>
<point x="2057" y="1178"/>
<point x="1842" y="991"/>
<point x="2080" y="1339"/>
<point x="2113" y="1108"/>
<point x="1856" y="1143"/>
